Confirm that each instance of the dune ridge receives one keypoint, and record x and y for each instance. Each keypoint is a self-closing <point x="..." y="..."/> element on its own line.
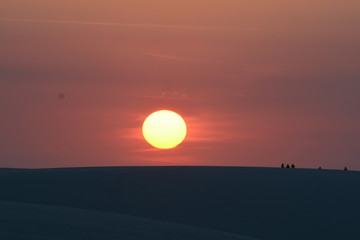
<point x="263" y="203"/>
<point x="28" y="221"/>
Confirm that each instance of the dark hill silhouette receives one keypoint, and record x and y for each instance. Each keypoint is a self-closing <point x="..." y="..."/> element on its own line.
<point x="263" y="203"/>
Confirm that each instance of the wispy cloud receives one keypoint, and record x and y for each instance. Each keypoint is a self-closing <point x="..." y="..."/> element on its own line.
<point x="177" y="58"/>
<point x="174" y="94"/>
<point x="115" y="24"/>
<point x="167" y="94"/>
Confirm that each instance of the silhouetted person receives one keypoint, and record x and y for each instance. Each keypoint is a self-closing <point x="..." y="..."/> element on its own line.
<point x="282" y="165"/>
<point x="320" y="168"/>
<point x="287" y="166"/>
<point x="292" y="166"/>
<point x="345" y="168"/>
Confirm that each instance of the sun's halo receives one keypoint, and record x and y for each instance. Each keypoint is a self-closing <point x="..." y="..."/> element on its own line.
<point x="164" y="129"/>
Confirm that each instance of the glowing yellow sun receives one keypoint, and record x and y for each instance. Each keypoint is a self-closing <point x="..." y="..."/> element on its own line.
<point x="164" y="129"/>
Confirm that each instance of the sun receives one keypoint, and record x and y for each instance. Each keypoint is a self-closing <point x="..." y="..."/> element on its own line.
<point x="164" y="129"/>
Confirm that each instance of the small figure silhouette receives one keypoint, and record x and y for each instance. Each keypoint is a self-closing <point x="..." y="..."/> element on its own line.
<point x="287" y="166"/>
<point x="292" y="166"/>
<point x="320" y="168"/>
<point x="345" y="168"/>
<point x="282" y="165"/>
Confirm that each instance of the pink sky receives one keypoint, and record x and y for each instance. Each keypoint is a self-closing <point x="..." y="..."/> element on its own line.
<point x="258" y="82"/>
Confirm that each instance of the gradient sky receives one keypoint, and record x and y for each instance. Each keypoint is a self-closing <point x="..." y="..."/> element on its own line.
<point x="258" y="82"/>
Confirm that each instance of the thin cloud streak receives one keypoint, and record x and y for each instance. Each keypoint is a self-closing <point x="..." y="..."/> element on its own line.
<point x="116" y="24"/>
<point x="171" y="57"/>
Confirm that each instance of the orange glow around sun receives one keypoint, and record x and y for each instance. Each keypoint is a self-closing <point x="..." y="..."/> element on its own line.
<point x="164" y="129"/>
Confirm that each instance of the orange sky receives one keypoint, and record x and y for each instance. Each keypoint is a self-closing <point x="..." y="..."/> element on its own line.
<point x="258" y="82"/>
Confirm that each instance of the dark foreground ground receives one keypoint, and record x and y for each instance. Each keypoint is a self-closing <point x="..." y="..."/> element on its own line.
<point x="263" y="203"/>
<point x="21" y="221"/>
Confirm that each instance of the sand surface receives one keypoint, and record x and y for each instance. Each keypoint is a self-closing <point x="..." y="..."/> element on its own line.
<point x="263" y="203"/>
<point x="19" y="221"/>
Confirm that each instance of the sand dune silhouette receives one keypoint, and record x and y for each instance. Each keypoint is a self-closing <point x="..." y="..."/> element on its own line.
<point x="262" y="203"/>
<point x="29" y="221"/>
